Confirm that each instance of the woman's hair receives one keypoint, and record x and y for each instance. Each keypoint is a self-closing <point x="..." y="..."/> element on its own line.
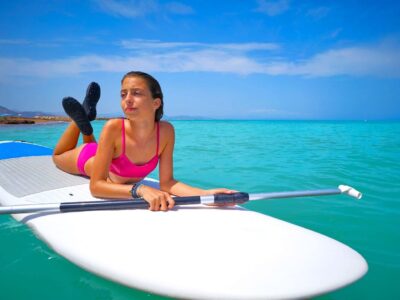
<point x="154" y="87"/>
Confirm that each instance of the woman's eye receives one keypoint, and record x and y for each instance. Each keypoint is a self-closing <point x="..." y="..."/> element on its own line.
<point x="123" y="95"/>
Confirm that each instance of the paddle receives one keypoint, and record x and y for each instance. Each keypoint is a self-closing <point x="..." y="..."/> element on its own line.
<point x="219" y="199"/>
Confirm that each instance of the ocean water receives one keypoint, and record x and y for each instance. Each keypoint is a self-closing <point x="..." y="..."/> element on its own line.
<point x="251" y="156"/>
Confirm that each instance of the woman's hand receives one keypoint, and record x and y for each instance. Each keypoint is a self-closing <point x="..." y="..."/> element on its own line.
<point x="220" y="191"/>
<point x="158" y="200"/>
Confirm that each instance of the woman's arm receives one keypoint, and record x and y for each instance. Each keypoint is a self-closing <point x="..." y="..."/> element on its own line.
<point x="99" y="186"/>
<point x="167" y="181"/>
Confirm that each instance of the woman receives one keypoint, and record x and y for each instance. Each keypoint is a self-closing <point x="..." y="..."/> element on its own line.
<point x="128" y="149"/>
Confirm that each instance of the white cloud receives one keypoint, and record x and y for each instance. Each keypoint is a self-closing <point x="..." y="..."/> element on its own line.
<point x="14" y="42"/>
<point x="380" y="60"/>
<point x="206" y="61"/>
<point x="152" y="56"/>
<point x="272" y="8"/>
<point x="129" y="9"/>
<point x="318" y="12"/>
<point x="179" y="8"/>
<point x="162" y="46"/>
<point x="137" y="8"/>
<point x="335" y="33"/>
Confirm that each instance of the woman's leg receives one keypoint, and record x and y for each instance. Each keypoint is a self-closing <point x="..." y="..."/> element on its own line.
<point x="68" y="140"/>
<point x="88" y="138"/>
<point x="65" y="155"/>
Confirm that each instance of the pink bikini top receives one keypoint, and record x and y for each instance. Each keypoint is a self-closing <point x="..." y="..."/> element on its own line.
<point x="123" y="167"/>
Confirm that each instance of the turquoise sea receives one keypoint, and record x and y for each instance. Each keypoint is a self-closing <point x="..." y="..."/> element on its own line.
<point x="251" y="156"/>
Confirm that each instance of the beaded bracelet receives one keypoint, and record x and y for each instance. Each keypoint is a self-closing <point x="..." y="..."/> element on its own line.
<point x="134" y="190"/>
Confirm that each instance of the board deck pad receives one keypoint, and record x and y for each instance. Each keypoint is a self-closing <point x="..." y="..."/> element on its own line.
<point x="47" y="176"/>
<point x="196" y="251"/>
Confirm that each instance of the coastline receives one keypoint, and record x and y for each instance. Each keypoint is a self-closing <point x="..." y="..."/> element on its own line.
<point x="46" y="119"/>
<point x="13" y="120"/>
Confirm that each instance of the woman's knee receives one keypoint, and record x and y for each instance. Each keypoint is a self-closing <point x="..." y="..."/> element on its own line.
<point x="56" y="159"/>
<point x="67" y="161"/>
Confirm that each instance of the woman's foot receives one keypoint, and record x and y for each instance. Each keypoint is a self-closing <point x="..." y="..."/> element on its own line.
<point x="91" y="99"/>
<point x="77" y="113"/>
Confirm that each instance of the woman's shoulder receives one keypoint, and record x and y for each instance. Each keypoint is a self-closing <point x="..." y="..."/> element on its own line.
<point x="166" y="124"/>
<point x="166" y="128"/>
<point x="112" y="126"/>
<point x="113" y="123"/>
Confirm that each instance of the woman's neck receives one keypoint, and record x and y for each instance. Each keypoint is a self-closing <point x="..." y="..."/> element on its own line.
<point x="141" y="129"/>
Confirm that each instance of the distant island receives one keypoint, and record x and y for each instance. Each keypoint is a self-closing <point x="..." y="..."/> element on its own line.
<point x="12" y="120"/>
<point x="8" y="116"/>
<point x="11" y="117"/>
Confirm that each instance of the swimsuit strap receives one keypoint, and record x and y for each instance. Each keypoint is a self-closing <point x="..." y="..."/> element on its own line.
<point x="123" y="136"/>
<point x="158" y="137"/>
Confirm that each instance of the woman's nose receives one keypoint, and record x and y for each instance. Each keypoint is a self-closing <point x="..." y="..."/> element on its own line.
<point x="129" y="97"/>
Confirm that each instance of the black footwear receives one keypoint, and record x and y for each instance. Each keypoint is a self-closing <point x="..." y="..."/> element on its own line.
<point x="91" y="99"/>
<point x="75" y="110"/>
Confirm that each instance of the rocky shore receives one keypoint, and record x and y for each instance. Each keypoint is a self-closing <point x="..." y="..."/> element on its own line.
<point x="12" y="120"/>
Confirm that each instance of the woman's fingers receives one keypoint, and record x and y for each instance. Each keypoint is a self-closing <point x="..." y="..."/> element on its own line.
<point x="167" y="202"/>
<point x="171" y="202"/>
<point x="221" y="191"/>
<point x="159" y="200"/>
<point x="153" y="204"/>
<point x="164" y="203"/>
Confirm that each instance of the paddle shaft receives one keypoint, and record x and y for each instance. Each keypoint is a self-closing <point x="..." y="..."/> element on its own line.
<point x="139" y="203"/>
<point x="218" y="199"/>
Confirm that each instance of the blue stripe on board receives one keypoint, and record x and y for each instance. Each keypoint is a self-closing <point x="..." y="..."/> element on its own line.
<point x="20" y="149"/>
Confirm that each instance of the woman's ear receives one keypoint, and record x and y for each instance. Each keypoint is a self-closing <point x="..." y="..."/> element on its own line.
<point x="156" y="103"/>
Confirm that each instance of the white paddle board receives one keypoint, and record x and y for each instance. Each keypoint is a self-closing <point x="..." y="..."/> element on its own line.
<point x="195" y="252"/>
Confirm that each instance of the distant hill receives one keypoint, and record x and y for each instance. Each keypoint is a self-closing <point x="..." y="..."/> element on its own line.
<point x="4" y="111"/>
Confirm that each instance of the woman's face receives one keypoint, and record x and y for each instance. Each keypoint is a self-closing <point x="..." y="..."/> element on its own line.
<point x="136" y="98"/>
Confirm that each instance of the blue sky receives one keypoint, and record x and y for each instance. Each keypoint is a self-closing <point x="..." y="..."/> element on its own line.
<point x="228" y="59"/>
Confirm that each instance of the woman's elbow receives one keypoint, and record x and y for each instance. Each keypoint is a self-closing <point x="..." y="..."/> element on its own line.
<point x="95" y="188"/>
<point x="167" y="185"/>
